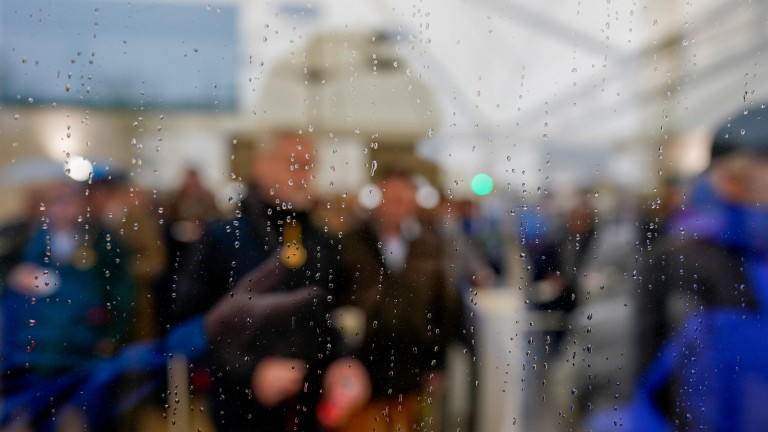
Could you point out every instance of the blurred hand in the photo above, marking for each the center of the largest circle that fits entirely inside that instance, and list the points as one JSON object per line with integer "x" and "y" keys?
{"x": 433, "y": 382}
{"x": 548, "y": 289}
{"x": 276, "y": 379}
{"x": 346, "y": 387}
{"x": 33, "y": 280}
{"x": 484, "y": 277}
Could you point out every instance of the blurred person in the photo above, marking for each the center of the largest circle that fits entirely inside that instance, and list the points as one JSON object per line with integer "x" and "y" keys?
{"x": 483, "y": 229}
{"x": 410, "y": 311}
{"x": 594, "y": 365}
{"x": 468, "y": 270}
{"x": 715, "y": 255}
{"x": 15, "y": 234}
{"x": 660, "y": 209}
{"x": 189, "y": 209}
{"x": 253, "y": 320}
{"x": 556, "y": 266}
{"x": 557, "y": 262}
{"x": 30, "y": 176}
{"x": 68, "y": 301}
{"x": 193, "y": 201}
{"x": 535, "y": 222}
{"x": 131, "y": 215}
{"x": 281, "y": 391}
{"x": 582, "y": 294}
{"x": 186, "y": 211}
{"x": 466, "y": 265}
{"x": 703, "y": 334}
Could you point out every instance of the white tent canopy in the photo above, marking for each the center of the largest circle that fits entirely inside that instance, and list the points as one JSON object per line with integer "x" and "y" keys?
{"x": 506, "y": 65}
{"x": 513, "y": 76}
{"x": 573, "y": 92}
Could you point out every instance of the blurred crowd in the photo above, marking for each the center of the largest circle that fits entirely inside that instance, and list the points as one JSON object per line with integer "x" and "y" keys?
{"x": 346, "y": 321}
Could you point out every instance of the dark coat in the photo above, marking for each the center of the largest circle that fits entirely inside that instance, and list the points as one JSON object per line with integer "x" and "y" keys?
{"x": 411, "y": 314}
{"x": 229, "y": 250}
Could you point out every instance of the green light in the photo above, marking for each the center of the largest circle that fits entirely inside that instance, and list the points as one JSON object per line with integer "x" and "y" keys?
{"x": 482, "y": 184}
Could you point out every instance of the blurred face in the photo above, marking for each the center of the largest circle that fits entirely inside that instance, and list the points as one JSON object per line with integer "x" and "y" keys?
{"x": 742, "y": 179}
{"x": 284, "y": 172}
{"x": 64, "y": 202}
{"x": 398, "y": 200}
{"x": 580, "y": 220}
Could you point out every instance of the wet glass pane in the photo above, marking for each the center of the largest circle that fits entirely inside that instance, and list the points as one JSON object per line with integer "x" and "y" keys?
{"x": 356, "y": 216}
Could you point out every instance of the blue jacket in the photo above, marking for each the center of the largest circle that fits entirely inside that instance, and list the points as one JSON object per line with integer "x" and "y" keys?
{"x": 90, "y": 303}
{"x": 704, "y": 324}
{"x": 33, "y": 397}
